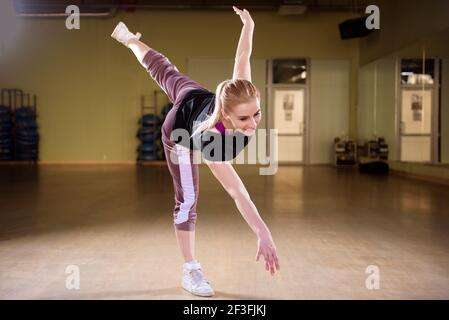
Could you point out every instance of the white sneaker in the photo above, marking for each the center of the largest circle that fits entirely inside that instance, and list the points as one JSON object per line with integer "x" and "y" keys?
{"x": 123, "y": 35}
{"x": 194, "y": 281}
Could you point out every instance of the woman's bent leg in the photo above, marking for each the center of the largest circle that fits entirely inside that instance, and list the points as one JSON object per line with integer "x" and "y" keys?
{"x": 186, "y": 243}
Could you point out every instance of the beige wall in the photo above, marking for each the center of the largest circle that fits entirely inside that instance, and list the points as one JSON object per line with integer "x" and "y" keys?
{"x": 89, "y": 86}
{"x": 330, "y": 92}
{"x": 409, "y": 28}
{"x": 377, "y": 101}
{"x": 445, "y": 112}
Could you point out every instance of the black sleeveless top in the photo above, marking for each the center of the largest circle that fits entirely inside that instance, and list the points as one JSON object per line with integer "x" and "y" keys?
{"x": 195, "y": 108}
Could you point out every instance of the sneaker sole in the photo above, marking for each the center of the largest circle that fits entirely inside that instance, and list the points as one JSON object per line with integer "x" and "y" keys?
{"x": 200, "y": 294}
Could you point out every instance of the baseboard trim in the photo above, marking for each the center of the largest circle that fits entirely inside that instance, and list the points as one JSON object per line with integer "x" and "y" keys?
{"x": 420, "y": 177}
{"x": 87, "y": 162}
{"x": 14, "y": 163}
{"x": 67, "y": 163}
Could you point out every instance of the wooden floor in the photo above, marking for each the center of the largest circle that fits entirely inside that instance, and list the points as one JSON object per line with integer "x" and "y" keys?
{"x": 115, "y": 224}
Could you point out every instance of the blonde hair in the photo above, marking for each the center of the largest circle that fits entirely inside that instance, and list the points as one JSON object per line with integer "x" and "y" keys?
{"x": 228, "y": 94}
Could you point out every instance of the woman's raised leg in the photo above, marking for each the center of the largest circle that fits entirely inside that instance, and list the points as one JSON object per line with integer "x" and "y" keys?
{"x": 170, "y": 80}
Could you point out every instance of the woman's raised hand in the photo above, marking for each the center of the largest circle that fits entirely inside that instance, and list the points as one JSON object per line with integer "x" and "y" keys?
{"x": 244, "y": 16}
{"x": 266, "y": 248}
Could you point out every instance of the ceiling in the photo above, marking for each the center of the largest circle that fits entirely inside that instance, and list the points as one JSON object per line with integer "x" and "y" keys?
{"x": 42, "y": 7}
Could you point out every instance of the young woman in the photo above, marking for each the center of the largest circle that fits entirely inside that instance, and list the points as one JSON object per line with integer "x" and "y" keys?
{"x": 234, "y": 106}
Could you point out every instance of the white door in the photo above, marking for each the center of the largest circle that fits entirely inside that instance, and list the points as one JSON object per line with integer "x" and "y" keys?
{"x": 288, "y": 119}
{"x": 416, "y": 124}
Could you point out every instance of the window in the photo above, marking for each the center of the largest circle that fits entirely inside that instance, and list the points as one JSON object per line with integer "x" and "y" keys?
{"x": 289, "y": 71}
{"x": 414, "y": 72}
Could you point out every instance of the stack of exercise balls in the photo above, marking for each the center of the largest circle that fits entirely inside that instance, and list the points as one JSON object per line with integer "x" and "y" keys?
{"x": 26, "y": 135}
{"x": 6, "y": 139}
{"x": 164, "y": 112}
{"x": 149, "y": 134}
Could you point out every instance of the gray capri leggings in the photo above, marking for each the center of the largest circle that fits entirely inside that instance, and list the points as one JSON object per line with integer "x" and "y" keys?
{"x": 184, "y": 172}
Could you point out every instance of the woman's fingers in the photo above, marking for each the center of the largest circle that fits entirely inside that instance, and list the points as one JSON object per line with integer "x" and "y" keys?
{"x": 273, "y": 267}
{"x": 240, "y": 14}
{"x": 270, "y": 257}
{"x": 270, "y": 267}
{"x": 244, "y": 14}
{"x": 272, "y": 260}
{"x": 276, "y": 261}
{"x": 258, "y": 255}
{"x": 274, "y": 257}
{"x": 268, "y": 263}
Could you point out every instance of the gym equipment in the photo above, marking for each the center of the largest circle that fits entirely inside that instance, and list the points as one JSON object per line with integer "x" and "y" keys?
{"x": 166, "y": 109}
{"x": 149, "y": 131}
{"x": 373, "y": 166}
{"x": 345, "y": 152}
{"x": 144, "y": 131}
{"x": 19, "y": 139}
{"x": 25, "y": 112}
{"x": 160, "y": 154}
{"x": 373, "y": 157}
{"x": 149, "y": 139}
{"x": 150, "y": 120}
{"x": 26, "y": 136}
{"x": 147, "y": 147}
{"x": 6, "y": 124}
{"x": 25, "y": 123}
{"x": 147, "y": 156}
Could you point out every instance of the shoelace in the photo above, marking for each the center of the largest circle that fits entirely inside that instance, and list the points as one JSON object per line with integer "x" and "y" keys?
{"x": 198, "y": 277}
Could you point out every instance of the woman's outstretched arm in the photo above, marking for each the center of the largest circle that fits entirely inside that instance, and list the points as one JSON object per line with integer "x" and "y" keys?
{"x": 242, "y": 66}
{"x": 229, "y": 179}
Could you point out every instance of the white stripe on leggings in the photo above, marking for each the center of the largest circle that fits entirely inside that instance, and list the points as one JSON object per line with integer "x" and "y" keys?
{"x": 188, "y": 191}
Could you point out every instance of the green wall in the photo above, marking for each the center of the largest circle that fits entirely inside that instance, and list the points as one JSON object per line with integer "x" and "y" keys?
{"x": 89, "y": 86}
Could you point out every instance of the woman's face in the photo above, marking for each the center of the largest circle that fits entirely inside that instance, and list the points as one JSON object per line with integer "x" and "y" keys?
{"x": 244, "y": 117}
